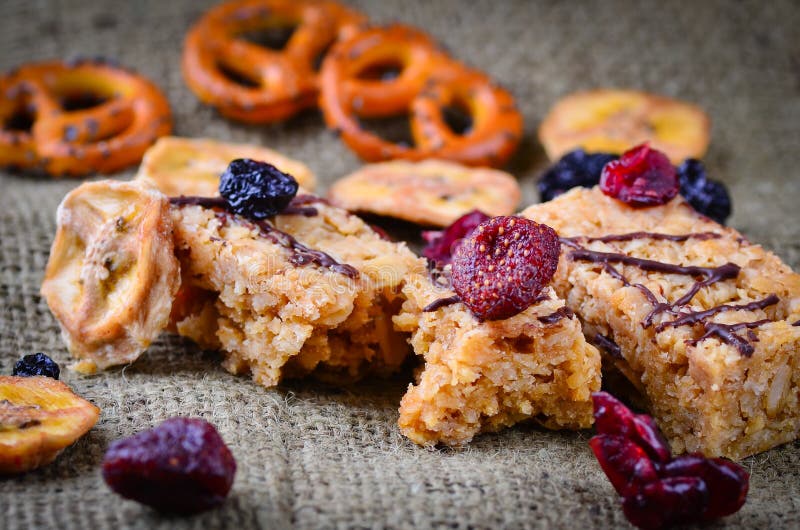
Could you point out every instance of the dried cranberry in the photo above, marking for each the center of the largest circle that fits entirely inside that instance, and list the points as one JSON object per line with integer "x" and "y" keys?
{"x": 181, "y": 466}
{"x": 256, "y": 190}
{"x": 727, "y": 481}
{"x": 611, "y": 416}
{"x": 625, "y": 464}
{"x": 442, "y": 243}
{"x": 666, "y": 502}
{"x": 707, "y": 196}
{"x": 658, "y": 490}
{"x": 37, "y": 364}
{"x": 576, "y": 168}
{"x": 641, "y": 177}
{"x": 501, "y": 268}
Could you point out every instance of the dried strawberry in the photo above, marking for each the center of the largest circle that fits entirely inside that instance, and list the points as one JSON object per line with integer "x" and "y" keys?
{"x": 181, "y": 466}
{"x": 658, "y": 490}
{"x": 441, "y": 244}
{"x": 501, "y": 268}
{"x": 640, "y": 177}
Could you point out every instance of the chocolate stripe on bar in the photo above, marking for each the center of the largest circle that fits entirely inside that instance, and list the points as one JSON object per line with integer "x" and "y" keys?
{"x": 608, "y": 345}
{"x": 441, "y": 302}
{"x": 555, "y": 316}
{"x": 701, "y": 236}
{"x": 690, "y": 319}
{"x": 300, "y": 253}
{"x": 725, "y": 332}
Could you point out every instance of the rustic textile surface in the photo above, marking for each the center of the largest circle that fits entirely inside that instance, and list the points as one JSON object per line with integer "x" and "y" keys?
{"x": 312, "y": 456}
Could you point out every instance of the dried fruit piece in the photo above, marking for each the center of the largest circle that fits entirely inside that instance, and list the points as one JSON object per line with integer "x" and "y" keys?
{"x": 37, "y": 364}
{"x": 658, "y": 490}
{"x": 613, "y": 121}
{"x": 181, "y": 466}
{"x": 640, "y": 177}
{"x": 441, "y": 244}
{"x": 192, "y": 166}
{"x": 727, "y": 482}
{"x": 707, "y": 196}
{"x": 576, "y": 168}
{"x": 500, "y": 269}
{"x": 39, "y": 417}
{"x": 256, "y": 190}
{"x": 666, "y": 502}
{"x": 625, "y": 464}
{"x": 612, "y": 417}
{"x": 431, "y": 192}
{"x": 112, "y": 272}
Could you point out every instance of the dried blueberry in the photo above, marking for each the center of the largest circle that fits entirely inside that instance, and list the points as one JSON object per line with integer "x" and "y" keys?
{"x": 37, "y": 364}
{"x": 181, "y": 466}
{"x": 707, "y": 196}
{"x": 576, "y": 168}
{"x": 256, "y": 190}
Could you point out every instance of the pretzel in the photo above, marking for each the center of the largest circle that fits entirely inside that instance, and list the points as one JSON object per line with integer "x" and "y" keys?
{"x": 70, "y": 119}
{"x": 252, "y": 83}
{"x": 429, "y": 83}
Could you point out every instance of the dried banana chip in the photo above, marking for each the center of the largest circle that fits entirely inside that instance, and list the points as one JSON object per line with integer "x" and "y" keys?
{"x": 613, "y": 121}
{"x": 192, "y": 166}
{"x": 432, "y": 192}
{"x": 112, "y": 273}
{"x": 39, "y": 417}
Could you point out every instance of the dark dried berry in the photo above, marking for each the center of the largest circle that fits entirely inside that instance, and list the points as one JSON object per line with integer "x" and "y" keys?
{"x": 256, "y": 190}
{"x": 576, "y": 168}
{"x": 727, "y": 481}
{"x": 501, "y": 268}
{"x": 441, "y": 244}
{"x": 181, "y": 466}
{"x": 707, "y": 196}
{"x": 641, "y": 177}
{"x": 666, "y": 502}
{"x": 658, "y": 490}
{"x": 37, "y": 364}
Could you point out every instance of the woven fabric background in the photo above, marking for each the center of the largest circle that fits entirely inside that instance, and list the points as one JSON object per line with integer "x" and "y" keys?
{"x": 312, "y": 456}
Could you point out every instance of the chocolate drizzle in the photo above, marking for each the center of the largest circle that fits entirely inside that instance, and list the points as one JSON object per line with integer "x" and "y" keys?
{"x": 702, "y": 236}
{"x": 690, "y": 319}
{"x": 205, "y": 202}
{"x": 705, "y": 276}
{"x": 441, "y": 302}
{"x": 298, "y": 206}
{"x": 300, "y": 253}
{"x": 725, "y": 332}
{"x": 608, "y": 345}
{"x": 555, "y": 316}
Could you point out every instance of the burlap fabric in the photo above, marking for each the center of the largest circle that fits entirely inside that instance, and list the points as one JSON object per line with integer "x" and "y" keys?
{"x": 312, "y": 456}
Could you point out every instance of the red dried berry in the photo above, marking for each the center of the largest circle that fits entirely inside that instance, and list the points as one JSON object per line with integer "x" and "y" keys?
{"x": 501, "y": 268}
{"x": 441, "y": 244}
{"x": 625, "y": 464}
{"x": 611, "y": 416}
{"x": 657, "y": 489}
{"x": 666, "y": 502}
{"x": 640, "y": 177}
{"x": 727, "y": 481}
{"x": 181, "y": 466}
